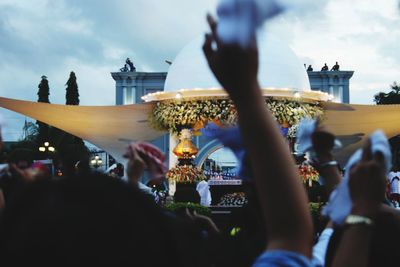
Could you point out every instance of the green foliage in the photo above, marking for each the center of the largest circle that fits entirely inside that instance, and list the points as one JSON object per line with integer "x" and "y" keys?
{"x": 67, "y": 140}
{"x": 43, "y": 96}
{"x": 44, "y": 90}
{"x": 179, "y": 207}
{"x": 393, "y": 97}
{"x": 72, "y": 94}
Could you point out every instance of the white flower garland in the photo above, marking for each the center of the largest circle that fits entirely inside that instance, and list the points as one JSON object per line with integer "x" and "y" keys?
{"x": 173, "y": 116}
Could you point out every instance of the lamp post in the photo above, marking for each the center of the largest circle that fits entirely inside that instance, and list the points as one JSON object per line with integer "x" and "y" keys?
{"x": 47, "y": 147}
{"x": 96, "y": 161}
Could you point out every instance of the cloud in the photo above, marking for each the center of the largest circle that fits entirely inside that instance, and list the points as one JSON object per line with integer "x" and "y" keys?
{"x": 92, "y": 38}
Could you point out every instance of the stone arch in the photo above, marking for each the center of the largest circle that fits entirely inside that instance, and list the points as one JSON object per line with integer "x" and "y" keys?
{"x": 207, "y": 150}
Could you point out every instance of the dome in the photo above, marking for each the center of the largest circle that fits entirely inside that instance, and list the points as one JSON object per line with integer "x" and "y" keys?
{"x": 279, "y": 67}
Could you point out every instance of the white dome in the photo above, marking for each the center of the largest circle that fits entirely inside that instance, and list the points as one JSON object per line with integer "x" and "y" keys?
{"x": 279, "y": 67}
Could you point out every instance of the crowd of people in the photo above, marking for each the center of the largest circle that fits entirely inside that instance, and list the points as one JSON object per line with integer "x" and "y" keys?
{"x": 91, "y": 219}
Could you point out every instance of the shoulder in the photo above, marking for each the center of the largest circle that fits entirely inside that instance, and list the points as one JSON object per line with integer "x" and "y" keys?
{"x": 282, "y": 258}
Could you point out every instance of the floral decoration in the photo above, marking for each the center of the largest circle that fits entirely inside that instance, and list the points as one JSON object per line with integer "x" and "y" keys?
{"x": 175, "y": 115}
{"x": 233, "y": 199}
{"x": 308, "y": 174}
{"x": 292, "y": 131}
{"x": 185, "y": 174}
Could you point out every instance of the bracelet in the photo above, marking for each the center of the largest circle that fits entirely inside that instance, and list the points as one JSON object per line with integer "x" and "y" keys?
{"x": 358, "y": 220}
{"x": 328, "y": 163}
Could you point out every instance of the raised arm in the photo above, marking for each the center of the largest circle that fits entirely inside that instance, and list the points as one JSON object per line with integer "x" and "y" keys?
{"x": 283, "y": 198}
{"x": 367, "y": 190}
{"x": 323, "y": 144}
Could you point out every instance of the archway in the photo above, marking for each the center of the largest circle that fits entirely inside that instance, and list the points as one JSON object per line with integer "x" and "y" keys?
{"x": 217, "y": 161}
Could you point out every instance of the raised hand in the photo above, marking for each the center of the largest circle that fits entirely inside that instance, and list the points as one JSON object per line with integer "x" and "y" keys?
{"x": 323, "y": 143}
{"x": 367, "y": 183}
{"x": 323, "y": 140}
{"x": 234, "y": 67}
{"x": 136, "y": 164}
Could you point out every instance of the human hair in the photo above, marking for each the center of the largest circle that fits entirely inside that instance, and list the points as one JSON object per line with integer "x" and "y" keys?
{"x": 21, "y": 154}
{"x": 187, "y": 194}
{"x": 87, "y": 220}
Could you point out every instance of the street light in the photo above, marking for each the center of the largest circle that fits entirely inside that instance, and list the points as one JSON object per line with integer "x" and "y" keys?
{"x": 46, "y": 147}
{"x": 96, "y": 161}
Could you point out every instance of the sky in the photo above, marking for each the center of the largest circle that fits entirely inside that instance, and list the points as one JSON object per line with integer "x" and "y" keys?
{"x": 94, "y": 37}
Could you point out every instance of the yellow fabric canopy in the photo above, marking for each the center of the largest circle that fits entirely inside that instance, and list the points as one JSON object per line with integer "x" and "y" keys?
{"x": 353, "y": 123}
{"x": 108, "y": 127}
{"x": 113, "y": 127}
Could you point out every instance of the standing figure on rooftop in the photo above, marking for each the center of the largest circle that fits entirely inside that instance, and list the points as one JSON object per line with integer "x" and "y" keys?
{"x": 310, "y": 68}
{"x": 336, "y": 67}
{"x": 130, "y": 64}
{"x": 325, "y": 68}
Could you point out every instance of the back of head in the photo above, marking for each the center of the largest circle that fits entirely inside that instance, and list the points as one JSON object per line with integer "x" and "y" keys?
{"x": 187, "y": 194}
{"x": 92, "y": 220}
{"x": 22, "y": 157}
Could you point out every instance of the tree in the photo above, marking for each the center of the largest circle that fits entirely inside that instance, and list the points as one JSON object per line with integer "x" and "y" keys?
{"x": 71, "y": 148}
{"x": 393, "y": 97}
{"x": 43, "y": 96}
{"x": 72, "y": 95}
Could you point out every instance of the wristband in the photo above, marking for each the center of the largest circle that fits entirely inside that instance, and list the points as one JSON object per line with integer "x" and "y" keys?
{"x": 358, "y": 220}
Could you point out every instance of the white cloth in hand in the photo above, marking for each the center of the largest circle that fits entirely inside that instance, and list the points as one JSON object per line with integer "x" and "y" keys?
{"x": 339, "y": 205}
{"x": 238, "y": 20}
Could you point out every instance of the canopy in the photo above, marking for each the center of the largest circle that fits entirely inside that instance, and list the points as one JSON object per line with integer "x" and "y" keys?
{"x": 113, "y": 127}
{"x": 353, "y": 123}
{"x": 108, "y": 127}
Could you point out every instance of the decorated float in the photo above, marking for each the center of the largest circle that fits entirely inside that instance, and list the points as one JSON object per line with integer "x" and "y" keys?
{"x": 192, "y": 98}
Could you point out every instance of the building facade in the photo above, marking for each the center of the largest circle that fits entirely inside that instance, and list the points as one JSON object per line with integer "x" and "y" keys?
{"x": 131, "y": 86}
{"x": 335, "y": 83}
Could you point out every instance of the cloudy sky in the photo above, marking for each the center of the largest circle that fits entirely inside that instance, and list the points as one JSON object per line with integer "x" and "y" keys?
{"x": 93, "y": 37}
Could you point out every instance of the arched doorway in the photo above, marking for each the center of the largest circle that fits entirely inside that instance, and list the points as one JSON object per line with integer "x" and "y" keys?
{"x": 217, "y": 161}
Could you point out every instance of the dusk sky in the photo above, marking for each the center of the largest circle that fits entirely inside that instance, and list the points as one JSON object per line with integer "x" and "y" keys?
{"x": 93, "y": 38}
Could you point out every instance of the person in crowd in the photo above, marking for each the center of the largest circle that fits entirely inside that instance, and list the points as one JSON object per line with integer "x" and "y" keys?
{"x": 15, "y": 173}
{"x": 372, "y": 228}
{"x": 336, "y": 67}
{"x": 289, "y": 227}
{"x": 94, "y": 220}
{"x": 187, "y": 194}
{"x": 393, "y": 179}
{"x": 142, "y": 156}
{"x": 385, "y": 231}
{"x": 325, "y": 68}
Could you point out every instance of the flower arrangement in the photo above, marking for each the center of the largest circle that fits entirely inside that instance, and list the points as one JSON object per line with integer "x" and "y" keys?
{"x": 291, "y": 112}
{"x": 292, "y": 131}
{"x": 308, "y": 174}
{"x": 233, "y": 199}
{"x": 185, "y": 174}
{"x": 175, "y": 115}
